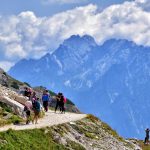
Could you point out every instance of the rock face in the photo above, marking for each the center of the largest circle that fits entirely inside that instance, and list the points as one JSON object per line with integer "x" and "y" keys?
{"x": 3, "y": 78}
{"x": 111, "y": 81}
{"x": 12, "y": 99}
{"x": 90, "y": 134}
{"x": 9, "y": 82}
{"x": 9, "y": 94}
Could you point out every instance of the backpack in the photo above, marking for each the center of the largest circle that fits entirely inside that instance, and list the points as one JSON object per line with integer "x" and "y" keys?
{"x": 37, "y": 106}
{"x": 65, "y": 100}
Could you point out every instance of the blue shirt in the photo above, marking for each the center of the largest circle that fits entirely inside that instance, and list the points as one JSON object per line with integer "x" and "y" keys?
{"x": 45, "y": 97}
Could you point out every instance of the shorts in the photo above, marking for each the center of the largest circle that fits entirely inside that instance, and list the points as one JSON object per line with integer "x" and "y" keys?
{"x": 28, "y": 113}
{"x": 36, "y": 112}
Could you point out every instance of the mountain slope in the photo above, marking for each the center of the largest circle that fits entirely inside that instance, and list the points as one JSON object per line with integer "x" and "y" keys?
{"x": 11, "y": 93}
{"x": 112, "y": 80}
{"x": 57, "y": 131}
{"x": 86, "y": 134}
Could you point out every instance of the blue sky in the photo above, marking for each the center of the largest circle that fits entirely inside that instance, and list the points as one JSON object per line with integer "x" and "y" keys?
{"x": 8, "y": 7}
{"x": 30, "y": 29}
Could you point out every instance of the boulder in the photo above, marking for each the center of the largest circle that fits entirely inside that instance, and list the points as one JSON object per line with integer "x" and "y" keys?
{"x": 17, "y": 107}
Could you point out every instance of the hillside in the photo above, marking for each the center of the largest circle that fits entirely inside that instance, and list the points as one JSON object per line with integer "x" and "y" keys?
{"x": 111, "y": 80}
{"x": 8, "y": 81}
{"x": 12, "y": 89}
{"x": 69, "y": 131}
{"x": 86, "y": 134}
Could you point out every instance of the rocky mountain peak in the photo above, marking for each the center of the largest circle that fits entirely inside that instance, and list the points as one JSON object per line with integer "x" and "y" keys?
{"x": 76, "y": 41}
{"x": 108, "y": 80}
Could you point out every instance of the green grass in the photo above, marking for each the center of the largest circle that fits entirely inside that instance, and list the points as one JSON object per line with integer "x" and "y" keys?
{"x": 36, "y": 139}
{"x": 61, "y": 129}
{"x": 92, "y": 118}
{"x": 15, "y": 119}
{"x": 5, "y": 107}
{"x": 112, "y": 132}
{"x": 105, "y": 127}
{"x": 6, "y": 110}
{"x": 90, "y": 135}
{"x": 75, "y": 146}
{"x": 143, "y": 146}
{"x": 94, "y": 132}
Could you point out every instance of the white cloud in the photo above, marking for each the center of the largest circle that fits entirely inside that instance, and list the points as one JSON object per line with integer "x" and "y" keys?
{"x": 27, "y": 35}
{"x": 145, "y": 4}
{"x": 14, "y": 50}
{"x": 62, "y": 1}
{"x": 127, "y": 21}
{"x": 6, "y": 65}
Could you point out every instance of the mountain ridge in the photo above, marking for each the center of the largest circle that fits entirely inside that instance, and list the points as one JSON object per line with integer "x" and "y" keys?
{"x": 59, "y": 131}
{"x": 102, "y": 79}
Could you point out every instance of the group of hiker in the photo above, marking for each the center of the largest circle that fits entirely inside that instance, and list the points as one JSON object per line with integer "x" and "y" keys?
{"x": 35, "y": 104}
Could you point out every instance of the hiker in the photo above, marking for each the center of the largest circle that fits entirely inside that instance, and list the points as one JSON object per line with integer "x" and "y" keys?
{"x": 26, "y": 91}
{"x": 36, "y": 109}
{"x": 27, "y": 109}
{"x": 45, "y": 99}
{"x": 58, "y": 104}
{"x": 146, "y": 141}
{"x": 33, "y": 96}
{"x": 29, "y": 93}
{"x": 62, "y": 103}
{"x": 65, "y": 101}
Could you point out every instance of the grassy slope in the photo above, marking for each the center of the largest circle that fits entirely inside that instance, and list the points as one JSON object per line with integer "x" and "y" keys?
{"x": 7, "y": 116}
{"x": 143, "y": 146}
{"x": 45, "y": 139}
{"x": 26, "y": 140}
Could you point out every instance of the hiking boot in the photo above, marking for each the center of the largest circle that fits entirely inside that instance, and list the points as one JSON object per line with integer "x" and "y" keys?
{"x": 27, "y": 122}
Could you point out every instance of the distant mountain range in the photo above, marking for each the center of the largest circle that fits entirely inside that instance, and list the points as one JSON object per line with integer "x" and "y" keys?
{"x": 111, "y": 80}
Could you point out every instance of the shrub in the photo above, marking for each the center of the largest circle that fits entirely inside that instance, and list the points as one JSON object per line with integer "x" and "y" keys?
{"x": 75, "y": 146}
{"x": 5, "y": 107}
{"x": 15, "y": 119}
{"x": 15, "y": 85}
{"x": 92, "y": 118}
{"x": 27, "y": 84}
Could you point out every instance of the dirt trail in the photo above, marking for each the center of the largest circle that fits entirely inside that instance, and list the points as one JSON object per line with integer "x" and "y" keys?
{"x": 49, "y": 119}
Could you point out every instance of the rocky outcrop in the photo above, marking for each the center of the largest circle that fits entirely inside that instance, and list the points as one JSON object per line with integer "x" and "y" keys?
{"x": 9, "y": 82}
{"x": 3, "y": 78}
{"x": 12, "y": 99}
{"x": 90, "y": 134}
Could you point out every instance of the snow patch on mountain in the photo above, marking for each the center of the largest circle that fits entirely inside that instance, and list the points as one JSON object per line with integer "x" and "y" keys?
{"x": 113, "y": 78}
{"x": 58, "y": 62}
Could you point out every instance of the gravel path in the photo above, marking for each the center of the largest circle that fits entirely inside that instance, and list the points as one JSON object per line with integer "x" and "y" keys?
{"x": 49, "y": 119}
